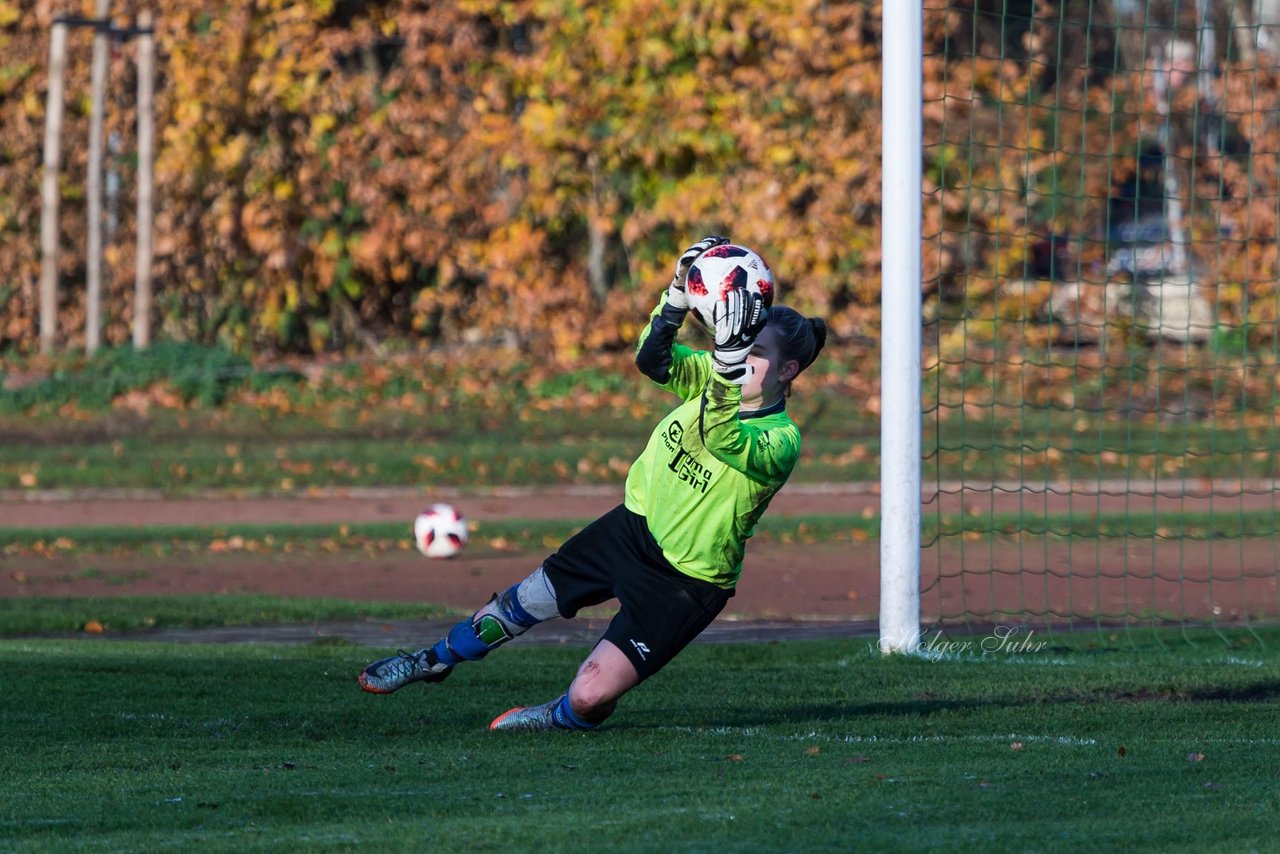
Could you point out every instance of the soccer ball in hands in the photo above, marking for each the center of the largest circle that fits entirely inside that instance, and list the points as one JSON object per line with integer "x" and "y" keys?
{"x": 440, "y": 531}
{"x": 722, "y": 269}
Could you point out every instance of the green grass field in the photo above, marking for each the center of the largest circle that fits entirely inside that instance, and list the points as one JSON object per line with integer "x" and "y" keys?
{"x": 802, "y": 746}
{"x": 1132, "y": 740}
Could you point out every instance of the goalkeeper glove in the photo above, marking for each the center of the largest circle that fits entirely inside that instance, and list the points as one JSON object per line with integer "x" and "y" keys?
{"x": 737, "y": 319}
{"x": 677, "y": 295}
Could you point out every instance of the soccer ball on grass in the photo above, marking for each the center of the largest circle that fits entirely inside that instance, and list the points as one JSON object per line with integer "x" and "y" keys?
{"x": 440, "y": 531}
{"x": 722, "y": 269}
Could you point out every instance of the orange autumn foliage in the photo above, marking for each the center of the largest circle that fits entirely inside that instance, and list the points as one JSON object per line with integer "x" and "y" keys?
{"x": 334, "y": 173}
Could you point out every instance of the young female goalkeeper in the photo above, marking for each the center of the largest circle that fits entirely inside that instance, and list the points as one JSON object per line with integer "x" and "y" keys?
{"x": 671, "y": 553}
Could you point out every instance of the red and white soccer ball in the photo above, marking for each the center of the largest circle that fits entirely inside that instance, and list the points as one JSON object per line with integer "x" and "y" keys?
{"x": 440, "y": 531}
{"x": 722, "y": 269}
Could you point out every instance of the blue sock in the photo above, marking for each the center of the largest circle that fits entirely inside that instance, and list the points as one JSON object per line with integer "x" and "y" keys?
{"x": 461, "y": 644}
{"x": 565, "y": 718}
{"x": 444, "y": 654}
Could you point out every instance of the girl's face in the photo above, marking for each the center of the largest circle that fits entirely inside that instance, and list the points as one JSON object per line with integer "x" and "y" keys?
{"x": 768, "y": 383}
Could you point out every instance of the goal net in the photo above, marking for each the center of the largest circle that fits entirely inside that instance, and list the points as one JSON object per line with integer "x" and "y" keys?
{"x": 1100, "y": 385}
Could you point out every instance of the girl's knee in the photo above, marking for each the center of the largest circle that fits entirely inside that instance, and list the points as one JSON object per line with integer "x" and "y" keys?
{"x": 590, "y": 703}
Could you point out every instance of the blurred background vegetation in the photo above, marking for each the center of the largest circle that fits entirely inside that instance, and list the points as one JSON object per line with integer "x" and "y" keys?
{"x": 334, "y": 175}
{"x": 393, "y": 178}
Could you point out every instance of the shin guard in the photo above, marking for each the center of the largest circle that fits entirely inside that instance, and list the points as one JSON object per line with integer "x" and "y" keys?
{"x": 503, "y": 618}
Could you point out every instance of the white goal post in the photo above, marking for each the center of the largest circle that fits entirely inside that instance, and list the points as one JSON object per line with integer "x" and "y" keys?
{"x": 900, "y": 335}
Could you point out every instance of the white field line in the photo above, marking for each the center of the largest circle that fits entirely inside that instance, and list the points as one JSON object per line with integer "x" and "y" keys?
{"x": 979, "y": 738}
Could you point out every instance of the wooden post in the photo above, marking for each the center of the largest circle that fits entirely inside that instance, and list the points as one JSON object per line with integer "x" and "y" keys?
{"x": 49, "y": 193}
{"x": 93, "y": 264}
{"x": 146, "y": 136}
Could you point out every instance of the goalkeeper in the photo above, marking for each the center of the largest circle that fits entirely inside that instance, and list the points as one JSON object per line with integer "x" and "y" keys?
{"x": 671, "y": 553}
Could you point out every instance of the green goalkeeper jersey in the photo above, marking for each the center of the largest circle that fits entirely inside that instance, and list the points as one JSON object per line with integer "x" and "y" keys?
{"x": 709, "y": 470}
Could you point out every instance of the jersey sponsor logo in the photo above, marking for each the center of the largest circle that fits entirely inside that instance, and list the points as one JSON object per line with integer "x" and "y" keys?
{"x": 690, "y": 471}
{"x": 686, "y": 468}
{"x": 673, "y": 435}
{"x": 642, "y": 649}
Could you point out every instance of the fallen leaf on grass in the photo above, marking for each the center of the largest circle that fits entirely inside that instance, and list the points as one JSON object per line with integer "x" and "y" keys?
{"x": 1121, "y": 751}
{"x": 735, "y": 757}
{"x": 812, "y": 751}
{"x": 1195, "y": 757}
{"x": 94, "y": 627}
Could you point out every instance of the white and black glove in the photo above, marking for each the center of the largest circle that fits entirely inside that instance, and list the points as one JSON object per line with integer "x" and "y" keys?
{"x": 677, "y": 293}
{"x": 737, "y": 320}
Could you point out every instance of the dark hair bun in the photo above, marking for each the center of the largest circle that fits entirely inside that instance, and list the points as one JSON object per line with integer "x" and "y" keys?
{"x": 819, "y": 327}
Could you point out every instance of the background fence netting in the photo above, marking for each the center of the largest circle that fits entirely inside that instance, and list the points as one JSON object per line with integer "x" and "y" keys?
{"x": 1101, "y": 342}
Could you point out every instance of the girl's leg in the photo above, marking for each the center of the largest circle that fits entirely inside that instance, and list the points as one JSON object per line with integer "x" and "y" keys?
{"x": 602, "y": 679}
{"x": 605, "y": 676}
{"x": 505, "y": 616}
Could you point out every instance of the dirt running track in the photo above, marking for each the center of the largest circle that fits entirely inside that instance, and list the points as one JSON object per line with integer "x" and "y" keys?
{"x": 821, "y": 588}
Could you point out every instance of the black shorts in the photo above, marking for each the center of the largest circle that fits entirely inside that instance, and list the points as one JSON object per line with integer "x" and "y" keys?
{"x": 661, "y": 609}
